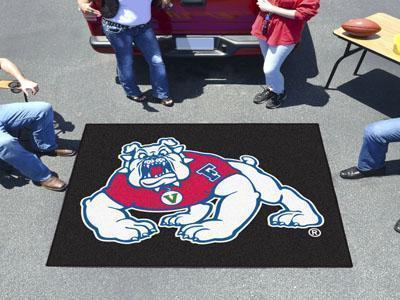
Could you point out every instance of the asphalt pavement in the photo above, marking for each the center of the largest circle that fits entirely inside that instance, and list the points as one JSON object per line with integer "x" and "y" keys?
{"x": 49, "y": 42}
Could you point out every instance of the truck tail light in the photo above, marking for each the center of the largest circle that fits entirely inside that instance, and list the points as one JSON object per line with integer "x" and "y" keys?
{"x": 90, "y": 18}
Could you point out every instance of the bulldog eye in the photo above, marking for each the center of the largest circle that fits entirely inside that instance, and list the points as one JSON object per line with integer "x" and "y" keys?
{"x": 141, "y": 155}
{"x": 164, "y": 152}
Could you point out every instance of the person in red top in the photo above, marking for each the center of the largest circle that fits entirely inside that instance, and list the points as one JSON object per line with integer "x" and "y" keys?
{"x": 278, "y": 28}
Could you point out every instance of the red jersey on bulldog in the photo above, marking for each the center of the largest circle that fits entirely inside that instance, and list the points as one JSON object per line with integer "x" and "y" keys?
{"x": 206, "y": 171}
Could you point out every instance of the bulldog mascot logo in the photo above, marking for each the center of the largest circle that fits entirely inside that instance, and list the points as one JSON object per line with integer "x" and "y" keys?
{"x": 165, "y": 177}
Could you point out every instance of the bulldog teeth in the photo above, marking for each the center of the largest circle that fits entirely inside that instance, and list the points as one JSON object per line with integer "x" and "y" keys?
{"x": 156, "y": 162}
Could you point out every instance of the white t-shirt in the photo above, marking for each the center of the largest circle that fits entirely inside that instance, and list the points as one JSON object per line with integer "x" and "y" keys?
{"x": 133, "y": 12}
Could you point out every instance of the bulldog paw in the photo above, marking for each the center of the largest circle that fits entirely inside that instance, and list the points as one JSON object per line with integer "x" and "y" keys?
{"x": 192, "y": 215}
{"x": 206, "y": 232}
{"x": 176, "y": 220}
{"x": 294, "y": 219}
{"x": 127, "y": 231}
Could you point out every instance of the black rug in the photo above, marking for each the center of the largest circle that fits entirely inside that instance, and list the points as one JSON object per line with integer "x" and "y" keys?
{"x": 201, "y": 195}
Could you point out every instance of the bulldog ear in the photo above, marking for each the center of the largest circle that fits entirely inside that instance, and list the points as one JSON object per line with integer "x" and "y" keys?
{"x": 131, "y": 148}
{"x": 125, "y": 157}
{"x": 178, "y": 149}
{"x": 187, "y": 160}
{"x": 168, "y": 141}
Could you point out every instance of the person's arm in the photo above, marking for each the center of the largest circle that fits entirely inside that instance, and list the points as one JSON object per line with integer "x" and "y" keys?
{"x": 266, "y": 6}
{"x": 304, "y": 11}
{"x": 26, "y": 84}
{"x": 166, "y": 4}
{"x": 85, "y": 6}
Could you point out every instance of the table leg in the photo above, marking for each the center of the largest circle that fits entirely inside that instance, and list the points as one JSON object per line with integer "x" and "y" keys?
{"x": 360, "y": 62}
{"x": 346, "y": 53}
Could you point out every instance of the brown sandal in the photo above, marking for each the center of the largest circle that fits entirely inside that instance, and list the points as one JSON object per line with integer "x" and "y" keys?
{"x": 141, "y": 98}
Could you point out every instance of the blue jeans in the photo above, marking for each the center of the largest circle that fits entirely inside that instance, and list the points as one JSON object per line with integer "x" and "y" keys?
{"x": 377, "y": 137}
{"x": 144, "y": 38}
{"x": 274, "y": 57}
{"x": 36, "y": 118}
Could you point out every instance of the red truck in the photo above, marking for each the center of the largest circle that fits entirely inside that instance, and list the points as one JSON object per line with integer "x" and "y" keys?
{"x": 195, "y": 28}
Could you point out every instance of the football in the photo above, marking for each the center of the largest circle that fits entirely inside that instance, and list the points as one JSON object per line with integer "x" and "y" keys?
{"x": 361, "y": 27}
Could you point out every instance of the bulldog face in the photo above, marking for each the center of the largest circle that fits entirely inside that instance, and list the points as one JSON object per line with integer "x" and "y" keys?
{"x": 155, "y": 165}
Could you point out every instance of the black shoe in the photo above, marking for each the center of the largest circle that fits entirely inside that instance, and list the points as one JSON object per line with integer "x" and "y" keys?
{"x": 117, "y": 81}
{"x": 397, "y": 226}
{"x": 169, "y": 102}
{"x": 354, "y": 173}
{"x": 275, "y": 100}
{"x": 141, "y": 98}
{"x": 263, "y": 96}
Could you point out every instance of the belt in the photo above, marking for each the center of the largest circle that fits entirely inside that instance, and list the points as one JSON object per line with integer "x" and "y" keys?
{"x": 117, "y": 25}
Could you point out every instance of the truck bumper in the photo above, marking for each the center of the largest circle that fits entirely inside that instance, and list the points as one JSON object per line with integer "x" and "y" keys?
{"x": 224, "y": 45}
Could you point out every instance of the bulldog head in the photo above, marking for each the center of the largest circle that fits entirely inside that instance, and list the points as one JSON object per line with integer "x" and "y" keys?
{"x": 155, "y": 165}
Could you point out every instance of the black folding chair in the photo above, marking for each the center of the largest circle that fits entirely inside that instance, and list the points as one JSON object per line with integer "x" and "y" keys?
{"x": 14, "y": 86}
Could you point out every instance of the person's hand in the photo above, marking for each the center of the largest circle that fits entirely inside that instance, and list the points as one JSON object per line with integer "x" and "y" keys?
{"x": 86, "y": 8}
{"x": 29, "y": 86}
{"x": 265, "y": 6}
{"x": 166, "y": 4}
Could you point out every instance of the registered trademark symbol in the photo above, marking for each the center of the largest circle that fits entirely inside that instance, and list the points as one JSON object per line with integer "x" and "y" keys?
{"x": 314, "y": 232}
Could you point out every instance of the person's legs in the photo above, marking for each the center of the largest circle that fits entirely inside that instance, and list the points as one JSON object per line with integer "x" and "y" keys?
{"x": 42, "y": 129}
{"x": 377, "y": 136}
{"x": 274, "y": 58}
{"x": 265, "y": 93}
{"x": 264, "y": 48}
{"x": 121, "y": 41}
{"x": 36, "y": 117}
{"x": 146, "y": 41}
{"x": 18, "y": 157}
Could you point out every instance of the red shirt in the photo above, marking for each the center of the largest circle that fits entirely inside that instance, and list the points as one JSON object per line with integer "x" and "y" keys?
{"x": 281, "y": 30}
{"x": 206, "y": 171}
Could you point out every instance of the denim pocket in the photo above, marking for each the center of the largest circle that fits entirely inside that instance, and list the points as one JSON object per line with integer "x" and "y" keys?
{"x": 143, "y": 28}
